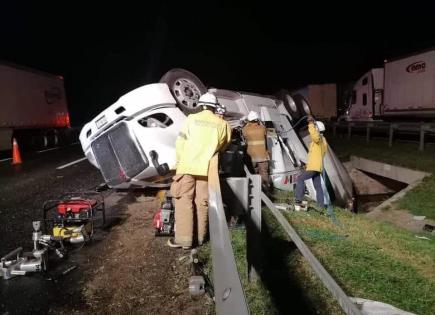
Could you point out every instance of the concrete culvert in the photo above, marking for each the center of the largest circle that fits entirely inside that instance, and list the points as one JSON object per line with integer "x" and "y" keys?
{"x": 378, "y": 184}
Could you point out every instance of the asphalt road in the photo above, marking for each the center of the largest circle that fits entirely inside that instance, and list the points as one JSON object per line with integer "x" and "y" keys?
{"x": 25, "y": 187}
{"x": 23, "y": 190}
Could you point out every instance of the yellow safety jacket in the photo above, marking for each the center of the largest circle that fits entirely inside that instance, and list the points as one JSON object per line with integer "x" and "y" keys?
{"x": 202, "y": 135}
{"x": 317, "y": 150}
{"x": 255, "y": 135}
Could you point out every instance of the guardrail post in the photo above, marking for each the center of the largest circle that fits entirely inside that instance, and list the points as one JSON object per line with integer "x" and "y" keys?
{"x": 390, "y": 139}
{"x": 369, "y": 125}
{"x": 422, "y": 130}
{"x": 244, "y": 193}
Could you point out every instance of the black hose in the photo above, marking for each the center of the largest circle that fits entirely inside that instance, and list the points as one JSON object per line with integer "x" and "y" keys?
{"x": 294, "y": 126}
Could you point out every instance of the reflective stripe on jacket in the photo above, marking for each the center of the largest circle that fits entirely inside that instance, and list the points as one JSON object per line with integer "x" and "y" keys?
{"x": 317, "y": 150}
{"x": 202, "y": 135}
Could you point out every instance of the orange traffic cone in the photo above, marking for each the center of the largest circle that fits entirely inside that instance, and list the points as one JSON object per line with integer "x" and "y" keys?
{"x": 16, "y": 156}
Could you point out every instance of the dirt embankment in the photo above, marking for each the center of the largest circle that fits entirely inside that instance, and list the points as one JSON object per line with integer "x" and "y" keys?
{"x": 133, "y": 272}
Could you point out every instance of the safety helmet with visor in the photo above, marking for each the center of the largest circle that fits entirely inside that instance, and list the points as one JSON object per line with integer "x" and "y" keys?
{"x": 320, "y": 126}
{"x": 208, "y": 99}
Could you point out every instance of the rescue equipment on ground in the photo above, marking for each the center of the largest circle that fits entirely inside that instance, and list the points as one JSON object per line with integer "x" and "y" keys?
{"x": 66, "y": 222}
{"x": 164, "y": 219}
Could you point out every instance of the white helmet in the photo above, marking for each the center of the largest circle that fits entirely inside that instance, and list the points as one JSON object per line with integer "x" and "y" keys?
{"x": 253, "y": 116}
{"x": 208, "y": 99}
{"x": 320, "y": 126}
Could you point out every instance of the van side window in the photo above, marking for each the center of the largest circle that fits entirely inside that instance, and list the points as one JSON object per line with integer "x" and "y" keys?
{"x": 364, "y": 81}
{"x": 269, "y": 124}
{"x": 365, "y": 99}
{"x": 158, "y": 120}
{"x": 353, "y": 99}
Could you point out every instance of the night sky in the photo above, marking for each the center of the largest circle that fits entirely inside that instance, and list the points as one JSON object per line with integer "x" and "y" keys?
{"x": 105, "y": 50}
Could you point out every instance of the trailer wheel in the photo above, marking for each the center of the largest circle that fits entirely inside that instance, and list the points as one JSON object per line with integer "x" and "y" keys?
{"x": 39, "y": 141}
{"x": 302, "y": 104}
{"x": 186, "y": 89}
{"x": 65, "y": 137}
{"x": 289, "y": 104}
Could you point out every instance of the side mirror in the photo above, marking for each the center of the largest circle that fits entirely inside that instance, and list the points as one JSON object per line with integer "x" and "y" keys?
{"x": 162, "y": 169}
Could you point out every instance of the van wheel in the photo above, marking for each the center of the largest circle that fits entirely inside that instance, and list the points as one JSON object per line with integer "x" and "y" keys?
{"x": 302, "y": 104}
{"x": 186, "y": 89}
{"x": 289, "y": 104}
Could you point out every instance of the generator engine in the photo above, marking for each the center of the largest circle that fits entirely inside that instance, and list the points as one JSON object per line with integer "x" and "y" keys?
{"x": 164, "y": 219}
{"x": 71, "y": 218}
{"x": 73, "y": 221}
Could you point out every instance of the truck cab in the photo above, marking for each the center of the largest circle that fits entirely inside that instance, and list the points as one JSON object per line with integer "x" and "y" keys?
{"x": 366, "y": 98}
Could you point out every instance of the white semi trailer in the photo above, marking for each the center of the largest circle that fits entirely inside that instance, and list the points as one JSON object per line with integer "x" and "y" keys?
{"x": 403, "y": 89}
{"x": 33, "y": 107}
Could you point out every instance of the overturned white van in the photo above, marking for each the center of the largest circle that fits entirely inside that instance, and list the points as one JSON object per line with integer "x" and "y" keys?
{"x": 132, "y": 142}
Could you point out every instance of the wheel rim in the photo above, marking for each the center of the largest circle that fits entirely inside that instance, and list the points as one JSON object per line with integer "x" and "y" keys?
{"x": 186, "y": 92}
{"x": 291, "y": 103}
{"x": 306, "y": 107}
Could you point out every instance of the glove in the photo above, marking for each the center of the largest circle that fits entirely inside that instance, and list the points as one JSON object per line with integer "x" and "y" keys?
{"x": 310, "y": 118}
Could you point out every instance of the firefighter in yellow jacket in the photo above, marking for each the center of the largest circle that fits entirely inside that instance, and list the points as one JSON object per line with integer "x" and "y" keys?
{"x": 202, "y": 135}
{"x": 255, "y": 135}
{"x": 314, "y": 166}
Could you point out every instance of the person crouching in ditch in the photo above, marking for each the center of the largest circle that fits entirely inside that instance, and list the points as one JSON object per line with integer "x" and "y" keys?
{"x": 314, "y": 167}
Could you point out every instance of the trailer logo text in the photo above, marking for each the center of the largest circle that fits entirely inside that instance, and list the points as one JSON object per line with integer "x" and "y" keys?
{"x": 416, "y": 67}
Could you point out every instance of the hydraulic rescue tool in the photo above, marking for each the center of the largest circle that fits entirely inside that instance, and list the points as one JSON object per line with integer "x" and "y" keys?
{"x": 70, "y": 220}
{"x": 17, "y": 263}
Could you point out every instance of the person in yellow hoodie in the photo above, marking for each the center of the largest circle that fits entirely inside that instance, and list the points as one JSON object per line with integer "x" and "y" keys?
{"x": 202, "y": 135}
{"x": 314, "y": 166}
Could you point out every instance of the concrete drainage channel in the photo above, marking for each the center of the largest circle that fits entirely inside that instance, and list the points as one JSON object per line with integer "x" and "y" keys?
{"x": 378, "y": 184}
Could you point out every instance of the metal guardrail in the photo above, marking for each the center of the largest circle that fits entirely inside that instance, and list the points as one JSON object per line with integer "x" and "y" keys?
{"x": 229, "y": 295}
{"x": 346, "y": 304}
{"x": 389, "y": 128}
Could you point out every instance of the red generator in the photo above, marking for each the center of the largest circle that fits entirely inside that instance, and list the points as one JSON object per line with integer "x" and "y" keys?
{"x": 72, "y": 216}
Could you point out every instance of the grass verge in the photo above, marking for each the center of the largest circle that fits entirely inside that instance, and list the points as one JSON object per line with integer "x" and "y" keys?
{"x": 368, "y": 259}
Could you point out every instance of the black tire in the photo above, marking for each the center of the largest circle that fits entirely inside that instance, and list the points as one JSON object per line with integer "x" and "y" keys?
{"x": 289, "y": 104}
{"x": 64, "y": 136}
{"x": 186, "y": 89}
{"x": 302, "y": 104}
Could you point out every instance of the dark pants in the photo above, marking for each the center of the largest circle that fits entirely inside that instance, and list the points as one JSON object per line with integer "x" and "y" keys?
{"x": 300, "y": 186}
{"x": 262, "y": 168}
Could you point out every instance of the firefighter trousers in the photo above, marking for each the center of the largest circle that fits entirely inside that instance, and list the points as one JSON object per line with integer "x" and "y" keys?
{"x": 191, "y": 208}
